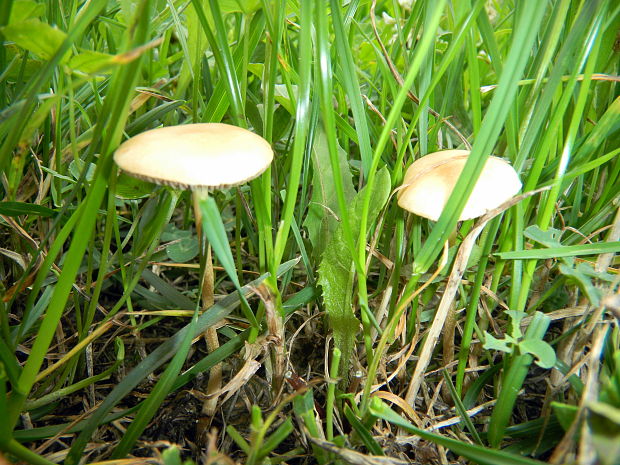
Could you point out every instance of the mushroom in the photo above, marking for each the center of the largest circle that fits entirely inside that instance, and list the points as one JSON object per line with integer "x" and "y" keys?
{"x": 426, "y": 189}
{"x": 429, "y": 181}
{"x": 199, "y": 157}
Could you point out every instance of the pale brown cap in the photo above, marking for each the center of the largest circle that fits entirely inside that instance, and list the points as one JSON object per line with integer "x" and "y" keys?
{"x": 202, "y": 155}
{"x": 429, "y": 181}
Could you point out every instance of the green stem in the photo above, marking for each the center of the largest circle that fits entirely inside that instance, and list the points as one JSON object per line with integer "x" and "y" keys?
{"x": 331, "y": 393}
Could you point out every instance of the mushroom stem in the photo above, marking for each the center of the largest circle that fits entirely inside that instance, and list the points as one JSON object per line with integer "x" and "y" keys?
{"x": 207, "y": 300}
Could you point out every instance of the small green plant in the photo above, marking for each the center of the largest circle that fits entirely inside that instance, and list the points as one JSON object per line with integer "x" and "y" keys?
{"x": 260, "y": 443}
{"x": 516, "y": 343}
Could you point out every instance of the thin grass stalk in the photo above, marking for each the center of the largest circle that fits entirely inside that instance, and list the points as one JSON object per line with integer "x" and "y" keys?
{"x": 221, "y": 51}
{"x": 497, "y": 113}
{"x": 302, "y": 127}
{"x": 423, "y": 85}
{"x": 466, "y": 24}
{"x": 5, "y": 14}
{"x": 153, "y": 401}
{"x": 118, "y": 115}
{"x": 331, "y": 394}
{"x": 350, "y": 82}
{"x": 325, "y": 91}
{"x": 105, "y": 252}
{"x": 422, "y": 49}
{"x": 472, "y": 309}
{"x": 473, "y": 75}
{"x": 83, "y": 232}
{"x": 590, "y": 50}
{"x": 19, "y": 450}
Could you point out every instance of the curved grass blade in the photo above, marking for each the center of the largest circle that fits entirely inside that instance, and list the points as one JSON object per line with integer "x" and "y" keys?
{"x": 213, "y": 228}
{"x": 348, "y": 74}
{"x": 302, "y": 128}
{"x": 157, "y": 358}
{"x": 524, "y": 36}
{"x": 221, "y": 51}
{"x": 157, "y": 395}
{"x": 475, "y": 453}
{"x": 566, "y": 251}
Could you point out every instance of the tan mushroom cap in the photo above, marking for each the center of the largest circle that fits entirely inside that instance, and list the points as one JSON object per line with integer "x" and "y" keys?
{"x": 208, "y": 155}
{"x": 430, "y": 180}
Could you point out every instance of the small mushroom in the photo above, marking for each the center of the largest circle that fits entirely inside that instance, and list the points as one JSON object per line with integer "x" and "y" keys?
{"x": 199, "y": 157}
{"x": 195, "y": 156}
{"x": 426, "y": 189}
{"x": 429, "y": 181}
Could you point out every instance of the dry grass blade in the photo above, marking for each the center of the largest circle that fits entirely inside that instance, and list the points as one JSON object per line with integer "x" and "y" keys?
{"x": 460, "y": 263}
{"x": 355, "y": 458}
{"x": 238, "y": 381}
{"x": 563, "y": 451}
{"x": 275, "y": 328}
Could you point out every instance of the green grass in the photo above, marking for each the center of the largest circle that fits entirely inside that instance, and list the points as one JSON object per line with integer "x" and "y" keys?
{"x": 328, "y": 288}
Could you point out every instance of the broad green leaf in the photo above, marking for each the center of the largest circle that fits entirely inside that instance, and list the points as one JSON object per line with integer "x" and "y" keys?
{"x": 92, "y": 62}
{"x": 336, "y": 268}
{"x": 584, "y": 274}
{"x": 26, "y": 9}
{"x": 541, "y": 350}
{"x": 492, "y": 343}
{"x": 35, "y": 36}
{"x": 23, "y": 208}
{"x": 130, "y": 188}
{"x": 77, "y": 166}
{"x": 565, "y": 414}
{"x": 515, "y": 322}
{"x": 183, "y": 250}
{"x": 549, "y": 238}
{"x": 321, "y": 220}
{"x": 172, "y": 233}
{"x": 239, "y": 6}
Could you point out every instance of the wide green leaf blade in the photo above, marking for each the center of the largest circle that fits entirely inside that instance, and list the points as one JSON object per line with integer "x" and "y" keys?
{"x": 336, "y": 269}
